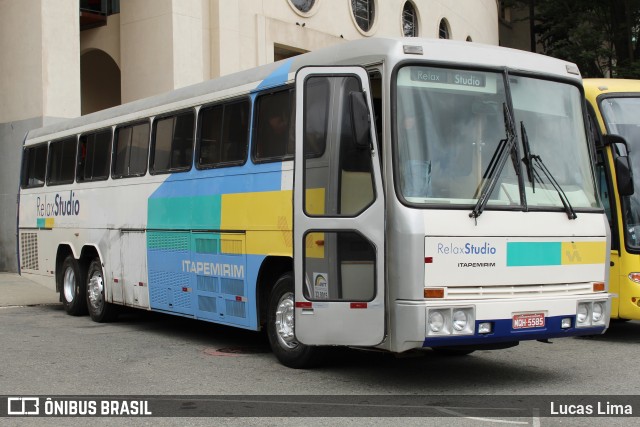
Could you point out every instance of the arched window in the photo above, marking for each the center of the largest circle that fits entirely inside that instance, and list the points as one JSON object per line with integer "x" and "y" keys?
{"x": 444, "y": 32}
{"x": 364, "y": 13}
{"x": 409, "y": 20}
{"x": 303, "y": 6}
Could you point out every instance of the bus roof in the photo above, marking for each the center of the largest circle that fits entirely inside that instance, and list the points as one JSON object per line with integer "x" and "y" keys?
{"x": 357, "y": 52}
{"x": 596, "y": 87}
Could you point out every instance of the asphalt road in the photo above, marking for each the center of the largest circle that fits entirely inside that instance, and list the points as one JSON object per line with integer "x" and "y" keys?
{"x": 46, "y": 352}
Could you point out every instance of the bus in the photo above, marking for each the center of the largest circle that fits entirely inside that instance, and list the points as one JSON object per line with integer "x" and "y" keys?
{"x": 391, "y": 194}
{"x": 614, "y": 108}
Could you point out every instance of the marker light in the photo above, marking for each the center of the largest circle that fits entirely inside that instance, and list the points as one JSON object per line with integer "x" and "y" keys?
{"x": 598, "y": 287}
{"x": 434, "y": 292}
{"x": 634, "y": 277}
{"x": 485, "y": 328}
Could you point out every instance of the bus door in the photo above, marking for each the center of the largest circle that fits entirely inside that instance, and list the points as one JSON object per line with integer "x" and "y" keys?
{"x": 338, "y": 211}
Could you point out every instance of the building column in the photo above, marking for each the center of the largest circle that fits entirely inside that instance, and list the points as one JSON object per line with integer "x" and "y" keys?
{"x": 40, "y": 69}
{"x": 162, "y": 45}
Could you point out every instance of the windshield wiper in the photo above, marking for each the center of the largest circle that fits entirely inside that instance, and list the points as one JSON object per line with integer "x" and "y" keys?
{"x": 535, "y": 164}
{"x": 527, "y": 156}
{"x": 495, "y": 166}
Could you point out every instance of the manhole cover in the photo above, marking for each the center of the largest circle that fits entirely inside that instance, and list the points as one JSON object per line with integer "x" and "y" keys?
{"x": 235, "y": 351}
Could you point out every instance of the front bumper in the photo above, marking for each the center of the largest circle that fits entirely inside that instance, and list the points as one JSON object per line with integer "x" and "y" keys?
{"x": 498, "y": 312}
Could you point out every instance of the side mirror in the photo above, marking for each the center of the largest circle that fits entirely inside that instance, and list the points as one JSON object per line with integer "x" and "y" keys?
{"x": 613, "y": 139}
{"x": 624, "y": 172}
{"x": 624, "y": 176}
{"x": 360, "y": 123}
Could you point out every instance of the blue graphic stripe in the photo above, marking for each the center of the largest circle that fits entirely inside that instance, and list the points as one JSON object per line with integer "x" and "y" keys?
{"x": 245, "y": 179}
{"x": 278, "y": 77}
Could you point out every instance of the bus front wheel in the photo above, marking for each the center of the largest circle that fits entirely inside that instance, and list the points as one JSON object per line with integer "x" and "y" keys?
{"x": 281, "y": 328}
{"x": 72, "y": 287}
{"x": 99, "y": 309}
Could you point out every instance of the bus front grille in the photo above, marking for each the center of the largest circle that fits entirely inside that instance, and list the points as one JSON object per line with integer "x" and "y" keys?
{"x": 517, "y": 291}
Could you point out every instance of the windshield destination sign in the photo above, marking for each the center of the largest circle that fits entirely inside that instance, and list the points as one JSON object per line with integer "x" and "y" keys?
{"x": 461, "y": 78}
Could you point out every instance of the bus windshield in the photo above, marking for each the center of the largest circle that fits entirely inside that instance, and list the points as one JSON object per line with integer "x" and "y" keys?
{"x": 451, "y": 126}
{"x": 549, "y": 119}
{"x": 622, "y": 117}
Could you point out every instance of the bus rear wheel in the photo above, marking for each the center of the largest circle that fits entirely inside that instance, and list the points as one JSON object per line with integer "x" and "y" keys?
{"x": 281, "y": 328}
{"x": 99, "y": 309}
{"x": 72, "y": 287}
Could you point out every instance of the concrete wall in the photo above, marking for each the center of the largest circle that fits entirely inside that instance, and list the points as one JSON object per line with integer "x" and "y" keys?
{"x": 40, "y": 69}
{"x": 244, "y": 32}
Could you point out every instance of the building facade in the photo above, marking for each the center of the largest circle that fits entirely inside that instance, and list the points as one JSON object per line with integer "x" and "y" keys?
{"x": 72, "y": 60}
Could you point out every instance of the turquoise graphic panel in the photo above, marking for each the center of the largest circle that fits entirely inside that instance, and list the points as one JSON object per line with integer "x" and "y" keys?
{"x": 529, "y": 254}
{"x": 190, "y": 213}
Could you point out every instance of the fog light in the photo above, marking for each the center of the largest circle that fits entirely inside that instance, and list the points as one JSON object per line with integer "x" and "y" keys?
{"x": 459, "y": 320}
{"x": 598, "y": 312}
{"x": 566, "y": 323}
{"x": 436, "y": 321}
{"x": 582, "y": 315}
{"x": 485, "y": 328}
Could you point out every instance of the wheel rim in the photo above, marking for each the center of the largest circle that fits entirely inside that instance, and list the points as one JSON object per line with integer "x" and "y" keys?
{"x": 94, "y": 290}
{"x": 284, "y": 321}
{"x": 69, "y": 283}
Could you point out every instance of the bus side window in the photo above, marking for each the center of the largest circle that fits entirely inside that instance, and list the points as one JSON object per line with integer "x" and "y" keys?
{"x": 274, "y": 126}
{"x": 62, "y": 161}
{"x": 34, "y": 166}
{"x": 131, "y": 150}
{"x": 223, "y": 134}
{"x": 93, "y": 156}
{"x": 173, "y": 143}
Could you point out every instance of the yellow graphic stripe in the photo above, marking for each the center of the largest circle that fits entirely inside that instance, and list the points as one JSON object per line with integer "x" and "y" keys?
{"x": 584, "y": 252}
{"x": 265, "y": 216}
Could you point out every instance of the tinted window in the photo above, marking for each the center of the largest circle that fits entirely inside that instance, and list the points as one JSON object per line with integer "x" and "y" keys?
{"x": 223, "y": 134}
{"x": 94, "y": 157}
{"x": 132, "y": 146}
{"x": 315, "y": 121}
{"x": 34, "y": 166}
{"x": 173, "y": 143}
{"x": 62, "y": 161}
{"x": 275, "y": 126}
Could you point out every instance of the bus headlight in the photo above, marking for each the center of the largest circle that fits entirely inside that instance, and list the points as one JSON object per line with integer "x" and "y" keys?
{"x": 459, "y": 320}
{"x": 450, "y": 321}
{"x": 463, "y": 322}
{"x": 591, "y": 313}
{"x": 597, "y": 314}
{"x": 436, "y": 321}
{"x": 582, "y": 314}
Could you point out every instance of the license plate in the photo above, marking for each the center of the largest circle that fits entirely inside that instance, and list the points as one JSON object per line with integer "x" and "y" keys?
{"x": 528, "y": 320}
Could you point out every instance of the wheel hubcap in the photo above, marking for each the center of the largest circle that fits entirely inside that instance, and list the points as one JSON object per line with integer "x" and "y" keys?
{"x": 284, "y": 321}
{"x": 69, "y": 284}
{"x": 94, "y": 291}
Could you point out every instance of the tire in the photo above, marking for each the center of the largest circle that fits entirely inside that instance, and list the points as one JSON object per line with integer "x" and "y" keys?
{"x": 72, "y": 287}
{"x": 281, "y": 331}
{"x": 100, "y": 310}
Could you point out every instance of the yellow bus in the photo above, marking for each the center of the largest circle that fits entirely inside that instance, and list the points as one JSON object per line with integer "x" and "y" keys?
{"x": 614, "y": 108}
